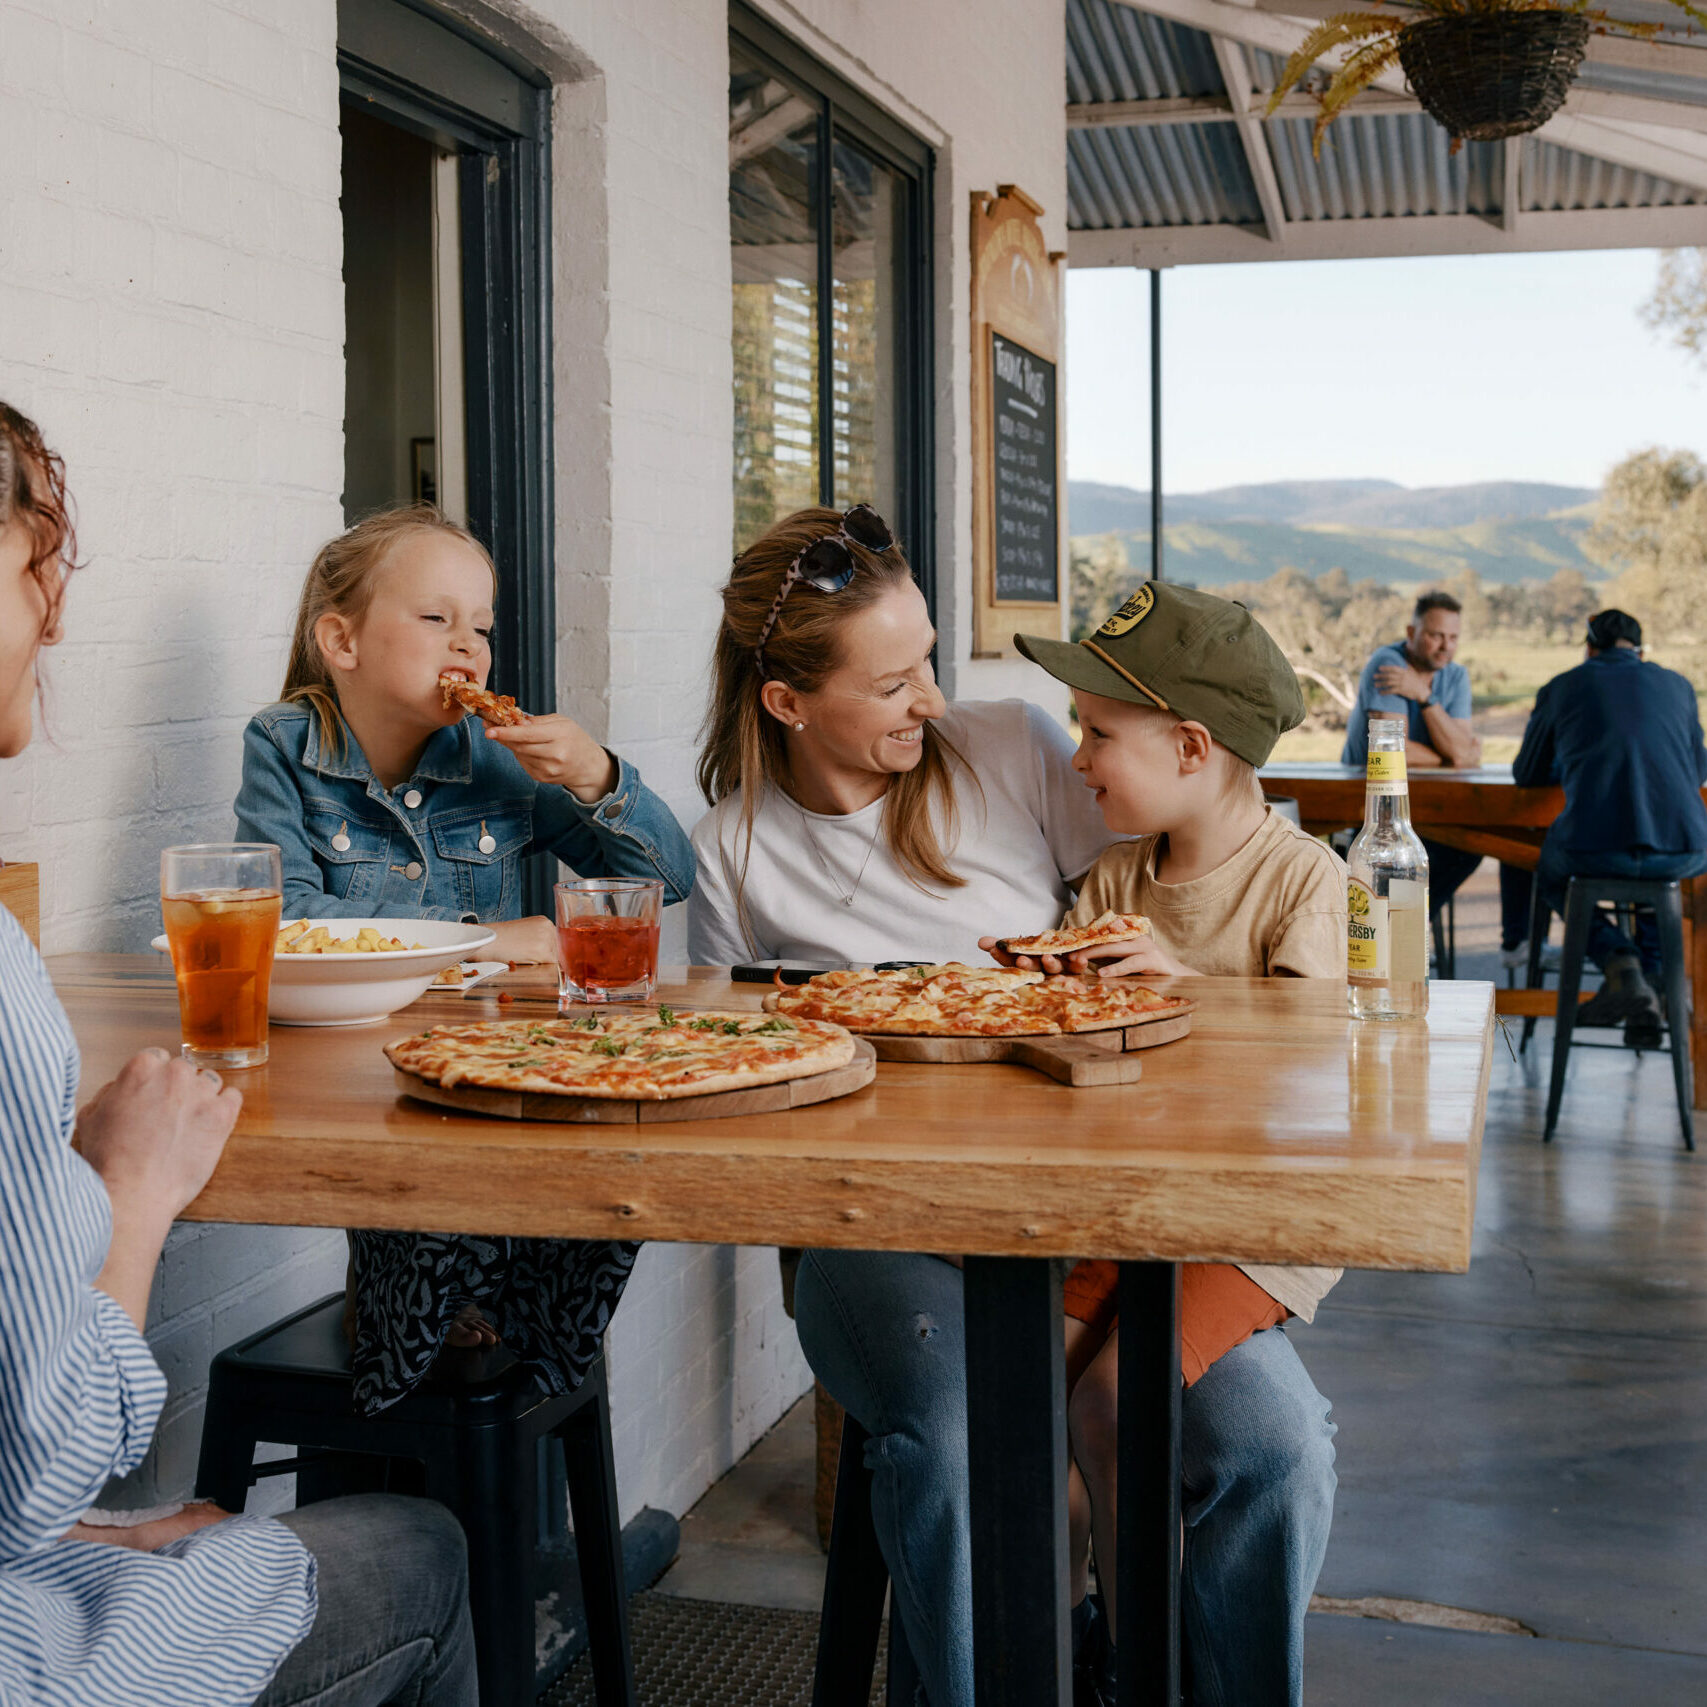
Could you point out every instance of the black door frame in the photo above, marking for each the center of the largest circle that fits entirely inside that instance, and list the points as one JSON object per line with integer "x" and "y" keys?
{"x": 417, "y": 71}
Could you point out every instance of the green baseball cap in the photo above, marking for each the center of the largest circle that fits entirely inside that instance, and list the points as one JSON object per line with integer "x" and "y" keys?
{"x": 1204, "y": 658}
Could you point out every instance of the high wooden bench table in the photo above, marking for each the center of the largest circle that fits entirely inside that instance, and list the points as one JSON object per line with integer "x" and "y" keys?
{"x": 1277, "y": 1132}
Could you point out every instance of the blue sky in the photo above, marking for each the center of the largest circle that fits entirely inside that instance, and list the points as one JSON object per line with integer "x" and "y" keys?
{"x": 1428, "y": 372}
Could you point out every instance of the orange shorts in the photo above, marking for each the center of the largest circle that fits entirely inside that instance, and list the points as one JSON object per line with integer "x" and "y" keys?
{"x": 1220, "y": 1307}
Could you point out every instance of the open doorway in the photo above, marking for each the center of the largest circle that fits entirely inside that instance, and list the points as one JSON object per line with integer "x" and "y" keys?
{"x": 403, "y": 391}
{"x": 446, "y": 213}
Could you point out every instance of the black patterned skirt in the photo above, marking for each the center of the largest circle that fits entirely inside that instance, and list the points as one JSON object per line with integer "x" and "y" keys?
{"x": 549, "y": 1299}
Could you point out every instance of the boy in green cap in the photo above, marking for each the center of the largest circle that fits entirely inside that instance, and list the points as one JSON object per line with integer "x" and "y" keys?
{"x": 1181, "y": 697}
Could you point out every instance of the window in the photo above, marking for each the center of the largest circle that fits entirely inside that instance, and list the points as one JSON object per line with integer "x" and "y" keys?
{"x": 829, "y": 220}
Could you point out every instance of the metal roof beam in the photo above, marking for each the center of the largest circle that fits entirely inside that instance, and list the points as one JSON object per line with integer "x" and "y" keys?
{"x": 1644, "y": 147}
{"x": 1372, "y": 239}
{"x": 1236, "y": 74}
{"x": 1218, "y": 109}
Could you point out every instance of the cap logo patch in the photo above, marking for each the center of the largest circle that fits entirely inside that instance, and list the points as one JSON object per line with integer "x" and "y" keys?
{"x": 1130, "y": 614}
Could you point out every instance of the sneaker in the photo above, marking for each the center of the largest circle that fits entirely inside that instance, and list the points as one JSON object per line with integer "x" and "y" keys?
{"x": 1517, "y": 959}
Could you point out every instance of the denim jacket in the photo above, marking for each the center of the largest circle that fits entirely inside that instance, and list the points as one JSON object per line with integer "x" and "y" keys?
{"x": 351, "y": 849}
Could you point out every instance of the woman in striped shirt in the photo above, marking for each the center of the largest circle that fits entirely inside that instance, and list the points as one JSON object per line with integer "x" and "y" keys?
{"x": 352, "y": 1603}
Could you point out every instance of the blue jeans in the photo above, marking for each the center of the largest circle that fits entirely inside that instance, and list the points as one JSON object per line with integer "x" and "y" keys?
{"x": 884, "y": 1332}
{"x": 1557, "y": 867}
{"x": 393, "y": 1627}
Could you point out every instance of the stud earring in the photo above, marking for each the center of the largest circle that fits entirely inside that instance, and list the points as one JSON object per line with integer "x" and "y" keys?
{"x": 798, "y": 727}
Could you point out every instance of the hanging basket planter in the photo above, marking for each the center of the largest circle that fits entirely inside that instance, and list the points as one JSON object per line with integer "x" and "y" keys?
{"x": 1484, "y": 75}
{"x": 1481, "y": 68}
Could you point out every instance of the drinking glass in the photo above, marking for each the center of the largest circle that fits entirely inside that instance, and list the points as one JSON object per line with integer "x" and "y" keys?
{"x": 220, "y": 901}
{"x": 608, "y": 929}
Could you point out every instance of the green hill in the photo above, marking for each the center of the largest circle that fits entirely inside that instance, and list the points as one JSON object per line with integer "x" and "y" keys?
{"x": 1501, "y": 552}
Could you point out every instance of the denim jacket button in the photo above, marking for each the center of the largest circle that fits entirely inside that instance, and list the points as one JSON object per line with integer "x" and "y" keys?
{"x": 614, "y": 810}
{"x": 412, "y": 799}
{"x": 413, "y": 870}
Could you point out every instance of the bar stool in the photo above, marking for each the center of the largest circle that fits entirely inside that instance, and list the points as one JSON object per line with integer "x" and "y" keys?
{"x": 290, "y": 1383}
{"x": 1582, "y": 897}
{"x": 854, "y": 1586}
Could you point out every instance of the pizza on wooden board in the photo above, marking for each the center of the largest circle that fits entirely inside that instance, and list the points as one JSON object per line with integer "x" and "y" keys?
{"x": 970, "y": 1001}
{"x": 1105, "y": 928}
{"x": 646, "y": 1055}
{"x": 498, "y": 708}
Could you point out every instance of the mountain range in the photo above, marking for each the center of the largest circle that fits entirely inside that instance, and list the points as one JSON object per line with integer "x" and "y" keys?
{"x": 1095, "y": 508}
{"x": 1507, "y": 530}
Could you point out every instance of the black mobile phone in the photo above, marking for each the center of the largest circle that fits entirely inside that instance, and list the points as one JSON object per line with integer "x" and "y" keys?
{"x": 767, "y": 971}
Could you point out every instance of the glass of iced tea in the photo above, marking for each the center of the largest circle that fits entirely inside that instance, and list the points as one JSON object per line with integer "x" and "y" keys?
{"x": 221, "y": 905}
{"x": 608, "y": 929}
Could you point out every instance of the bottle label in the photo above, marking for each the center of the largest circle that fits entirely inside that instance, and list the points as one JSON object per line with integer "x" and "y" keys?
{"x": 1368, "y": 944}
{"x": 1385, "y": 773}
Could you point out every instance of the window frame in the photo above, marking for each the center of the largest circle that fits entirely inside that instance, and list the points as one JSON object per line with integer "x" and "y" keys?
{"x": 844, "y": 112}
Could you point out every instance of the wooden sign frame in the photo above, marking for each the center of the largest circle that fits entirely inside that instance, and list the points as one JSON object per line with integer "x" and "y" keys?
{"x": 1015, "y": 295}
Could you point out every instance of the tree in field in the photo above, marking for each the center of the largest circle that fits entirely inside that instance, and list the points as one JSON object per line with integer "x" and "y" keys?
{"x": 1651, "y": 533}
{"x": 1099, "y": 577}
{"x": 1679, "y": 303}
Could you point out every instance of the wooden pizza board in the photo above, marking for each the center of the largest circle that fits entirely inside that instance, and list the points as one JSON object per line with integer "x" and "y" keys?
{"x": 1105, "y": 1057}
{"x": 615, "y": 1111}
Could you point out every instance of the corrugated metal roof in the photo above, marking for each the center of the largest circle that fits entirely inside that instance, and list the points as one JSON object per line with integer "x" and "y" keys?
{"x": 1389, "y": 166}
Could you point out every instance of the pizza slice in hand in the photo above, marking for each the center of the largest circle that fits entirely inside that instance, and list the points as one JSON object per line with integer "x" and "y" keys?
{"x": 1106, "y": 928}
{"x": 498, "y": 708}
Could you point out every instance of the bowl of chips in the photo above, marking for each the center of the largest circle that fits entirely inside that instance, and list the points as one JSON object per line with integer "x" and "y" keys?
{"x": 357, "y": 971}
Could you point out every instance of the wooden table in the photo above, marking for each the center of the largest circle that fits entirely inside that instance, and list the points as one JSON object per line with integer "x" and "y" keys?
{"x": 1277, "y": 1132}
{"x": 1485, "y": 812}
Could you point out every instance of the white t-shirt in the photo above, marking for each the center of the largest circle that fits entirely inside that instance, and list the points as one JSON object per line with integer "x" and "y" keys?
{"x": 1026, "y": 827}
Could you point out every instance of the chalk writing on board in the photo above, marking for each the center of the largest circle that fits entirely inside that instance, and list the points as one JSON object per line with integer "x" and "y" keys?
{"x": 1022, "y": 391}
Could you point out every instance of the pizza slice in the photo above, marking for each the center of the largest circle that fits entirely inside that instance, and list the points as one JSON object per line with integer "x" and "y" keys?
{"x": 498, "y": 708}
{"x": 1106, "y": 928}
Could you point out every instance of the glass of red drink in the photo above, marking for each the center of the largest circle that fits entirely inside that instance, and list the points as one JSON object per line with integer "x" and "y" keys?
{"x": 607, "y": 929}
{"x": 220, "y": 902}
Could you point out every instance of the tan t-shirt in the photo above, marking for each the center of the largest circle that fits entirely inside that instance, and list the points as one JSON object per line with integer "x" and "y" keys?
{"x": 1276, "y": 907}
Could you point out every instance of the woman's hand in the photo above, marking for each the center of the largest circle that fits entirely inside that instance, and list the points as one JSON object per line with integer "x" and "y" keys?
{"x": 1024, "y": 962}
{"x": 525, "y": 942}
{"x": 146, "y": 1537}
{"x": 155, "y": 1134}
{"x": 553, "y": 749}
{"x": 1144, "y": 958}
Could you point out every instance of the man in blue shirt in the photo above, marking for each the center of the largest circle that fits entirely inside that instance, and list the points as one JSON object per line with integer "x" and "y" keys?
{"x": 1623, "y": 738}
{"x": 1416, "y": 679}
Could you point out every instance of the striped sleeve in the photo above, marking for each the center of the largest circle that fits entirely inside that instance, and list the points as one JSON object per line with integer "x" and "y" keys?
{"x": 203, "y": 1623}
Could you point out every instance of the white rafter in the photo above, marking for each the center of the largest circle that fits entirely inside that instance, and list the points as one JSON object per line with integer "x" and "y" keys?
{"x": 1666, "y": 151}
{"x": 1236, "y": 74}
{"x": 1373, "y": 239}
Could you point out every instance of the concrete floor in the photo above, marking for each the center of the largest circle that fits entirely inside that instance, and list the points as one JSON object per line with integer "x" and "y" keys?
{"x": 1528, "y": 1440}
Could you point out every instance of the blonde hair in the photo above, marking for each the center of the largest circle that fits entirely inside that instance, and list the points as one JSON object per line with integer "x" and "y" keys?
{"x": 745, "y": 748}
{"x": 340, "y": 583}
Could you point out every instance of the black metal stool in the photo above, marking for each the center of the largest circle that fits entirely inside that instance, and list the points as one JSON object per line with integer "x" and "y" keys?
{"x": 854, "y": 1586}
{"x": 478, "y": 1446}
{"x": 1582, "y": 897}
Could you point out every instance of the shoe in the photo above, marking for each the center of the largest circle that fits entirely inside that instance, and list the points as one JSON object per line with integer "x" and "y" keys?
{"x": 1646, "y": 1031}
{"x": 1517, "y": 959}
{"x": 1623, "y": 1000}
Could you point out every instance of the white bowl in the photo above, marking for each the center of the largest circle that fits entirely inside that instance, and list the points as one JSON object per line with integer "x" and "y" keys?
{"x": 360, "y": 989}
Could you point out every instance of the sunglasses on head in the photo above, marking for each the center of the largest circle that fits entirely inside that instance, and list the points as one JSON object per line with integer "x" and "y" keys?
{"x": 828, "y": 564}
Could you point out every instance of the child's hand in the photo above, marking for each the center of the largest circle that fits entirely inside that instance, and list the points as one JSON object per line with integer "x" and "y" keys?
{"x": 526, "y": 942}
{"x": 1025, "y": 962}
{"x": 553, "y": 749}
{"x": 1144, "y": 958}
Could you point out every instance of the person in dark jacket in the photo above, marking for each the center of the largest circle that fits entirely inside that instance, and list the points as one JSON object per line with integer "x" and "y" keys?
{"x": 1623, "y": 738}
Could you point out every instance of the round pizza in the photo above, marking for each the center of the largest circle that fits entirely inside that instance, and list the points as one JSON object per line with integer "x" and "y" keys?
{"x": 1105, "y": 928}
{"x": 970, "y": 1001}
{"x": 646, "y": 1055}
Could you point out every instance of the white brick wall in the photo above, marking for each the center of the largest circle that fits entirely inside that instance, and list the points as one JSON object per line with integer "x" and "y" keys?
{"x": 170, "y": 310}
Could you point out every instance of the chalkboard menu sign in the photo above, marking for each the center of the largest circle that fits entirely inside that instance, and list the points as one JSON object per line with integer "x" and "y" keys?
{"x": 1027, "y": 536}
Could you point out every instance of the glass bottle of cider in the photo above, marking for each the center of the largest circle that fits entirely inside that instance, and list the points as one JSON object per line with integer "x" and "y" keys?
{"x": 1387, "y": 890}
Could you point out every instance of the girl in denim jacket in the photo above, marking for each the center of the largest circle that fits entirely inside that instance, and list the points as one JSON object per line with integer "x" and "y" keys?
{"x": 384, "y": 803}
